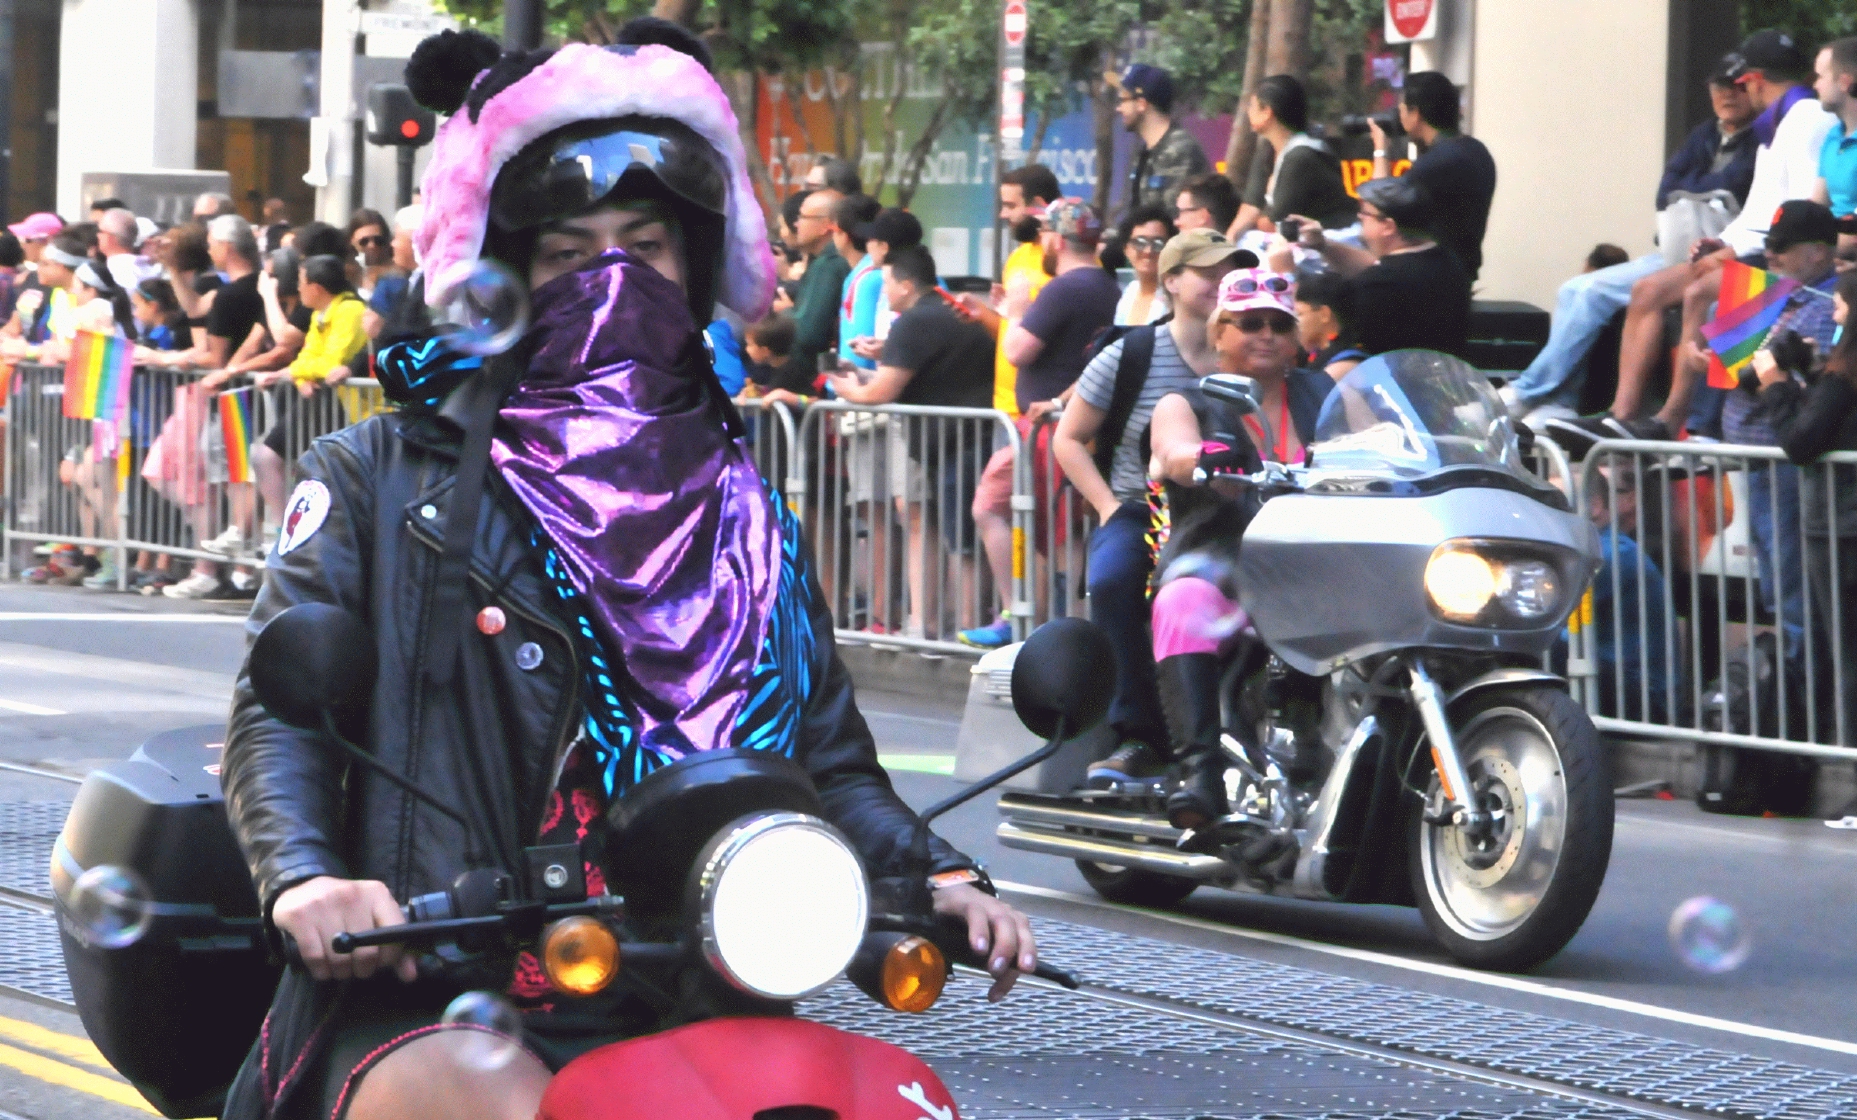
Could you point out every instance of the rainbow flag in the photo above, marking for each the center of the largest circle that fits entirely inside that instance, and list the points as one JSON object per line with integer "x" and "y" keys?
{"x": 1750, "y": 303}
{"x": 96, "y": 377}
{"x": 235, "y": 425}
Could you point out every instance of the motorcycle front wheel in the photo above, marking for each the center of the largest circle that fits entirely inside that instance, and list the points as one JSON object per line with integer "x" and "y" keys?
{"x": 1511, "y": 895}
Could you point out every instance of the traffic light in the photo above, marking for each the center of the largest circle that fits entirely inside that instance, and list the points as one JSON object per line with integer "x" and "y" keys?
{"x": 396, "y": 120}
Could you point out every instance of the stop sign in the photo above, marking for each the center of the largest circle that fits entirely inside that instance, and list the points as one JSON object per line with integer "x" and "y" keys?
{"x": 1410, "y": 17}
{"x": 1015, "y": 22}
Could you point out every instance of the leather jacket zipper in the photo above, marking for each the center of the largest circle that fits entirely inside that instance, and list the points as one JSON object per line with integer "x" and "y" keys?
{"x": 563, "y": 740}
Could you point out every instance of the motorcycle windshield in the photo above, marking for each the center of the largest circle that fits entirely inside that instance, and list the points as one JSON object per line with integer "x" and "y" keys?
{"x": 1410, "y": 414}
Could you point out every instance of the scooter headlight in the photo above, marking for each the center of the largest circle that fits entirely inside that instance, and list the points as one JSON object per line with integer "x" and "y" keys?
{"x": 783, "y": 903}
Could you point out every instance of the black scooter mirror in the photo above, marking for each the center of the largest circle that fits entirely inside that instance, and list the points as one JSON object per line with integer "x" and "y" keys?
{"x": 1065, "y": 673}
{"x": 313, "y": 660}
{"x": 1239, "y": 392}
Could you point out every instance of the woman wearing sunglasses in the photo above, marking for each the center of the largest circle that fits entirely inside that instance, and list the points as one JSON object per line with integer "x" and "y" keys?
{"x": 372, "y": 245}
{"x": 1144, "y": 232}
{"x": 1197, "y": 529}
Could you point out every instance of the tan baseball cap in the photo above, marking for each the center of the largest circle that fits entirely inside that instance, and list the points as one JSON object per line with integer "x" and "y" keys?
{"x": 1197, "y": 248}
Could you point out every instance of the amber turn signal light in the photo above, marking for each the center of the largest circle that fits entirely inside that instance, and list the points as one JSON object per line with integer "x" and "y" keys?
{"x": 580, "y": 955}
{"x": 913, "y": 974}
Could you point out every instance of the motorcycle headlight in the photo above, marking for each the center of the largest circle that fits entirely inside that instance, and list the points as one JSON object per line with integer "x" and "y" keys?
{"x": 1528, "y": 589}
{"x": 1489, "y": 583}
{"x": 1460, "y": 582}
{"x": 783, "y": 903}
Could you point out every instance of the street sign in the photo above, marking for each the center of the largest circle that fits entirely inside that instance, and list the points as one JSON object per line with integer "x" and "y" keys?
{"x": 1411, "y": 20}
{"x": 1013, "y": 26}
{"x": 404, "y": 23}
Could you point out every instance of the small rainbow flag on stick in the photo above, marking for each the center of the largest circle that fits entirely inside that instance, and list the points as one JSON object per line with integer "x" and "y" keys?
{"x": 235, "y": 425}
{"x": 1750, "y": 303}
{"x": 96, "y": 378}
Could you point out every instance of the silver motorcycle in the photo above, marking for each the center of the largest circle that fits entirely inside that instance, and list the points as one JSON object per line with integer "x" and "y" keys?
{"x": 1404, "y": 589}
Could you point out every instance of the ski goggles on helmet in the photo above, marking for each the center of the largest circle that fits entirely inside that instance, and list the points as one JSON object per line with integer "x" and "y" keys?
{"x": 572, "y": 169}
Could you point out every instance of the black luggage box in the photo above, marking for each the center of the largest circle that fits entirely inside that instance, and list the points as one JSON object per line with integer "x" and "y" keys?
{"x": 176, "y": 1011}
{"x": 1505, "y": 334}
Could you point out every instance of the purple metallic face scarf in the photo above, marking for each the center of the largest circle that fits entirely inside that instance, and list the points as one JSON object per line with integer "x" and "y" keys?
{"x": 658, "y": 515}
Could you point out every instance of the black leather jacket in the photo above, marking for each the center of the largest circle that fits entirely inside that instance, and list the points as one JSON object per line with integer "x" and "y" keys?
{"x": 490, "y": 746}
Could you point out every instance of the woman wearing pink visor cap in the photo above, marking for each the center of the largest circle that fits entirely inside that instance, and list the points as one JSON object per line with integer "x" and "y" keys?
{"x": 1197, "y": 529}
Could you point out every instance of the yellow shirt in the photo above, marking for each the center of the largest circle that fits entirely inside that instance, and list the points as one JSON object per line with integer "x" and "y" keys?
{"x": 1025, "y": 267}
{"x": 335, "y": 336}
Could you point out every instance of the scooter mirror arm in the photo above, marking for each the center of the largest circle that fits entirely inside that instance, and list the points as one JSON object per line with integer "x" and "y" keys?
{"x": 472, "y": 854}
{"x": 920, "y": 897}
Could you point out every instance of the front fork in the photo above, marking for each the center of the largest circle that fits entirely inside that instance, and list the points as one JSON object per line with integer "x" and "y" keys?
{"x": 1460, "y": 803}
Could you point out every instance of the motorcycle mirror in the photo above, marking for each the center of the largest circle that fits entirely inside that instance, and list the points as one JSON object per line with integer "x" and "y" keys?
{"x": 312, "y": 659}
{"x": 1240, "y": 392}
{"x": 1065, "y": 671}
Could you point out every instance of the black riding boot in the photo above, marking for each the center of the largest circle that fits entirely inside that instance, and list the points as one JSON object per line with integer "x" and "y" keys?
{"x": 1189, "y": 686}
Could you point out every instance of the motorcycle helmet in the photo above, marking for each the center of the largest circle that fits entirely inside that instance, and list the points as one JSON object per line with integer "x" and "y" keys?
{"x": 540, "y": 135}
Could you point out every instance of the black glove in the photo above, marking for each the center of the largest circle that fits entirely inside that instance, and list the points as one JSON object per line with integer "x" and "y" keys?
{"x": 1216, "y": 456}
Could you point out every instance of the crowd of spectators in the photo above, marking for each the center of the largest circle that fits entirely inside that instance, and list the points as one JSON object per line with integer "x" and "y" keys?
{"x": 272, "y": 309}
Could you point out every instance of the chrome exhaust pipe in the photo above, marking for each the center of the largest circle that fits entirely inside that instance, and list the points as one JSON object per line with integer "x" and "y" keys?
{"x": 1140, "y": 857}
{"x": 1023, "y": 811}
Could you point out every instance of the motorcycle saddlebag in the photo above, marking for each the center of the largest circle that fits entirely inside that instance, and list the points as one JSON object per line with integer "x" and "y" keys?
{"x": 175, "y": 1010}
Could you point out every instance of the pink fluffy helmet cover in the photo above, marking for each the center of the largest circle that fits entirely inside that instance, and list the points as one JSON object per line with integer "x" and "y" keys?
{"x": 583, "y": 83}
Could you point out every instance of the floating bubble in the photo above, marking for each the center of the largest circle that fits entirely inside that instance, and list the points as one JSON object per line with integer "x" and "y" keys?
{"x": 497, "y": 1042}
{"x": 486, "y": 305}
{"x": 1709, "y": 936}
{"x": 111, "y": 907}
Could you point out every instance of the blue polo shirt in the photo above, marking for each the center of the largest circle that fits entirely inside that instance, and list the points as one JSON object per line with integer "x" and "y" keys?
{"x": 1837, "y": 165}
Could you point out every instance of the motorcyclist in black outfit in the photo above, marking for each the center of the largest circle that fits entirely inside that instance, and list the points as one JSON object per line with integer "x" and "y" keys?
{"x": 625, "y": 593}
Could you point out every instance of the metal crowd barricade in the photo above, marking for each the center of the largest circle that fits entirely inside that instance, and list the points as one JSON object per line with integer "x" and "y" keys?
{"x": 187, "y": 462}
{"x": 773, "y": 438}
{"x": 1704, "y": 628}
{"x": 886, "y": 494}
{"x": 1057, "y": 561}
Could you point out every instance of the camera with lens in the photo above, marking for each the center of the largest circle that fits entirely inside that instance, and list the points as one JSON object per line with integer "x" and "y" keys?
{"x": 1796, "y": 355}
{"x": 1356, "y": 124}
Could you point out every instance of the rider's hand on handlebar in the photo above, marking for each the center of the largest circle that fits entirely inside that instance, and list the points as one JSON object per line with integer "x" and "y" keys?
{"x": 995, "y": 929}
{"x": 1217, "y": 457}
{"x": 313, "y": 912}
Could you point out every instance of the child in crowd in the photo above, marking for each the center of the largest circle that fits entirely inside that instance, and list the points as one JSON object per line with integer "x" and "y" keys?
{"x": 768, "y": 346}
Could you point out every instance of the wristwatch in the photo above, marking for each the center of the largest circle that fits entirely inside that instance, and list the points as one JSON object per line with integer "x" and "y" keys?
{"x": 975, "y": 875}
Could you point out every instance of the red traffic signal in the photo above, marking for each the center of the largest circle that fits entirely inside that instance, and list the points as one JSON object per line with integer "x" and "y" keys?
{"x": 396, "y": 120}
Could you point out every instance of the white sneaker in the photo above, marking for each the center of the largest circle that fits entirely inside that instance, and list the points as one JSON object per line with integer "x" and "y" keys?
{"x": 229, "y": 543}
{"x": 195, "y": 586}
{"x": 244, "y": 581}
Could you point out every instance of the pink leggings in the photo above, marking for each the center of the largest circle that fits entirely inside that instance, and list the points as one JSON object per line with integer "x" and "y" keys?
{"x": 1192, "y": 615}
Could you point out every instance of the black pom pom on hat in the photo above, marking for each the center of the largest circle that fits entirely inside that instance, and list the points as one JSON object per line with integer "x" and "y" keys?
{"x": 443, "y": 66}
{"x": 646, "y": 30}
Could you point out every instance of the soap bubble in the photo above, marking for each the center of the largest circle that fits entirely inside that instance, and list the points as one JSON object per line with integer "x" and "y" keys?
{"x": 1709, "y": 936}
{"x": 486, "y": 305}
{"x": 497, "y": 1043}
{"x": 110, "y": 907}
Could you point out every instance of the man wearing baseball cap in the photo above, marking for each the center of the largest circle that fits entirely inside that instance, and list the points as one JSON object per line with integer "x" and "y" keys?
{"x": 1048, "y": 346}
{"x": 1169, "y": 155}
{"x": 1254, "y": 332}
{"x": 35, "y": 231}
{"x": 1110, "y": 407}
{"x": 890, "y": 231}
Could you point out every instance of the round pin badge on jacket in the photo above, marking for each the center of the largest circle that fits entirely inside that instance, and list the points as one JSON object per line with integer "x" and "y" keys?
{"x": 491, "y": 621}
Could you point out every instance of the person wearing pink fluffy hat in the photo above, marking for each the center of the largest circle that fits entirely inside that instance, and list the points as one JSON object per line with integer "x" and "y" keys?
{"x": 572, "y": 574}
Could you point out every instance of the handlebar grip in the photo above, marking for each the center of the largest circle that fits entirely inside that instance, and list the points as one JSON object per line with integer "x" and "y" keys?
{"x": 343, "y": 943}
{"x": 1063, "y": 979}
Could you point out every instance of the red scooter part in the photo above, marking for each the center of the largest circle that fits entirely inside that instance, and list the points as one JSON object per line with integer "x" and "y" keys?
{"x": 730, "y": 1069}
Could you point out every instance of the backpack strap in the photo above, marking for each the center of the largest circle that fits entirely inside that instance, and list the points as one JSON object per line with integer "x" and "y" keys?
{"x": 1131, "y": 372}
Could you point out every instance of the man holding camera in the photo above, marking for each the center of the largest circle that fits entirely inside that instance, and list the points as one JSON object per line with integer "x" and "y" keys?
{"x": 1801, "y": 245}
{"x": 1456, "y": 170}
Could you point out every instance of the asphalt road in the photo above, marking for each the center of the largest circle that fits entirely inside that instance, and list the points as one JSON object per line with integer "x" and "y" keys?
{"x": 84, "y": 677}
